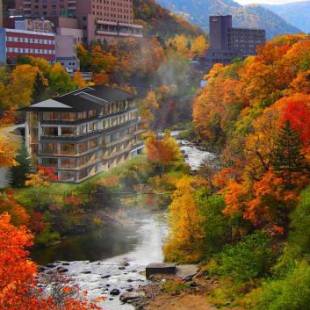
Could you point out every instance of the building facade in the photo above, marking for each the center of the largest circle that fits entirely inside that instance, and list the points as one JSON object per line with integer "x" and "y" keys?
{"x": 227, "y": 42}
{"x": 84, "y": 132}
{"x": 15, "y": 43}
{"x": 99, "y": 19}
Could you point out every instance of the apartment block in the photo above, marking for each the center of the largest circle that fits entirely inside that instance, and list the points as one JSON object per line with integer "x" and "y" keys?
{"x": 99, "y": 19}
{"x": 15, "y": 43}
{"x": 227, "y": 42}
{"x": 84, "y": 132}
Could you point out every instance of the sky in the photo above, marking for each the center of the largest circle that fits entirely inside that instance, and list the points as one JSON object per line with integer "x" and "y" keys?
{"x": 267, "y": 1}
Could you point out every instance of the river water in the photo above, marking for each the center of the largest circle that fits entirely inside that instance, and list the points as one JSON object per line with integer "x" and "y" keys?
{"x": 116, "y": 257}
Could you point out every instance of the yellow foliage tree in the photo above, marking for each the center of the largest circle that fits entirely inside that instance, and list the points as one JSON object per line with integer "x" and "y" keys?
{"x": 186, "y": 236}
{"x": 199, "y": 46}
{"x": 79, "y": 80}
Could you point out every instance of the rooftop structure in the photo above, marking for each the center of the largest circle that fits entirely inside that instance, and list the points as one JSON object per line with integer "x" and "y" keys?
{"x": 84, "y": 132}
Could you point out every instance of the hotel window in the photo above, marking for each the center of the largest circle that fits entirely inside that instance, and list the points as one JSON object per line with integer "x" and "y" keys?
{"x": 68, "y": 131}
{"x": 68, "y": 149}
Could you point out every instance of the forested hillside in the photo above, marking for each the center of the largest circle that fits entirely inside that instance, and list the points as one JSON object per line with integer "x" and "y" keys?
{"x": 160, "y": 22}
{"x": 247, "y": 217}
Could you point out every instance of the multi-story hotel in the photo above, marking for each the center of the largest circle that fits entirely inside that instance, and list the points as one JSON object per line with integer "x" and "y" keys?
{"x": 84, "y": 132}
{"x": 99, "y": 19}
{"x": 16, "y": 42}
{"x": 227, "y": 43}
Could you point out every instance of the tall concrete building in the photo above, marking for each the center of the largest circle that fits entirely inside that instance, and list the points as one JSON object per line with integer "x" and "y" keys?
{"x": 227, "y": 42}
{"x": 99, "y": 19}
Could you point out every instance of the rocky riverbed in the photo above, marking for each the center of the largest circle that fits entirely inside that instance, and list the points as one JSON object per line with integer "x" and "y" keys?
{"x": 111, "y": 276}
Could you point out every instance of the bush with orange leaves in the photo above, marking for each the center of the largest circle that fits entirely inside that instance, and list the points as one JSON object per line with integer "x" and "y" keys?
{"x": 18, "y": 281}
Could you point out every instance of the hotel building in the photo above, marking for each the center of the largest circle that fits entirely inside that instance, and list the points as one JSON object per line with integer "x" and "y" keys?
{"x": 227, "y": 43}
{"x": 99, "y": 19}
{"x": 16, "y": 42}
{"x": 83, "y": 132}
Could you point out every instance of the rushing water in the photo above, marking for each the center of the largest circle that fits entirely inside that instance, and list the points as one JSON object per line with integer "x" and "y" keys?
{"x": 116, "y": 256}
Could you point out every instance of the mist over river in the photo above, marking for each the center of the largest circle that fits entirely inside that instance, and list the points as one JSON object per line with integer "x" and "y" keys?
{"x": 115, "y": 256}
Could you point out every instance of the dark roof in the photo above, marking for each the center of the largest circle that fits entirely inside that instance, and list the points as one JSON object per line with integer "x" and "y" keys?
{"x": 89, "y": 98}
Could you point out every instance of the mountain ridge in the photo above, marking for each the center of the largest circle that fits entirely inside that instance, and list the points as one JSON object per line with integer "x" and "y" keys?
{"x": 250, "y": 16}
{"x": 296, "y": 13}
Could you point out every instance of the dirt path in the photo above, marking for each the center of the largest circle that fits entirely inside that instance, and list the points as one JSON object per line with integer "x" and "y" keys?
{"x": 182, "y": 302}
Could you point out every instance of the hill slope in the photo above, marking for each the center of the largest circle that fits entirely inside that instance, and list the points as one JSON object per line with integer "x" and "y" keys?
{"x": 160, "y": 21}
{"x": 251, "y": 16}
{"x": 297, "y": 14}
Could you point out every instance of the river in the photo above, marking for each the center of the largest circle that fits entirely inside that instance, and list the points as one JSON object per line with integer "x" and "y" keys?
{"x": 116, "y": 256}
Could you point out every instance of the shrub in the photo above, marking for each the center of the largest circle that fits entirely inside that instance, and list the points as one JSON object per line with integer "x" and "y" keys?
{"x": 250, "y": 258}
{"x": 289, "y": 293}
{"x": 216, "y": 227}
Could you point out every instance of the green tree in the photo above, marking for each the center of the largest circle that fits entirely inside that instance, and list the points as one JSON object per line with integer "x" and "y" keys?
{"x": 22, "y": 169}
{"x": 287, "y": 156}
{"x": 39, "y": 87}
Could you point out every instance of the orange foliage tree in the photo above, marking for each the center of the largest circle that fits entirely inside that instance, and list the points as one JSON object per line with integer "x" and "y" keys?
{"x": 18, "y": 287}
{"x": 163, "y": 151}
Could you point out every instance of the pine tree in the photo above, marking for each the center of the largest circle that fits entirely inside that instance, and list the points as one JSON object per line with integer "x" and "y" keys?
{"x": 19, "y": 172}
{"x": 287, "y": 157}
{"x": 38, "y": 88}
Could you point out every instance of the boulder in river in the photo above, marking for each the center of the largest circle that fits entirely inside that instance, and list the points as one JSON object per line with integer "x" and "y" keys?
{"x": 106, "y": 276}
{"x": 160, "y": 268}
{"x": 132, "y": 297}
{"x": 115, "y": 292}
{"x": 62, "y": 270}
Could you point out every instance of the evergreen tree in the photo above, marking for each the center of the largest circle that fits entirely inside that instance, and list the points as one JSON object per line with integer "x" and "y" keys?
{"x": 38, "y": 88}
{"x": 287, "y": 157}
{"x": 23, "y": 167}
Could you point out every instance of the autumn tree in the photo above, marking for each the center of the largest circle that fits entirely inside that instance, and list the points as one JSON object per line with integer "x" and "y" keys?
{"x": 42, "y": 178}
{"x": 184, "y": 243}
{"x": 79, "y": 80}
{"x": 7, "y": 152}
{"x": 59, "y": 80}
{"x": 147, "y": 108}
{"x": 199, "y": 46}
{"x": 162, "y": 152}
{"x": 18, "y": 276}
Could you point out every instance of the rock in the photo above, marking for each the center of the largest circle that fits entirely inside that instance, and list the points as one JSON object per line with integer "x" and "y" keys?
{"x": 86, "y": 272}
{"x": 130, "y": 280}
{"x": 108, "y": 285}
{"x": 41, "y": 269}
{"x": 62, "y": 270}
{"x": 122, "y": 268}
{"x": 160, "y": 268}
{"x": 50, "y": 266}
{"x": 132, "y": 297}
{"x": 130, "y": 289}
{"x": 193, "y": 284}
{"x": 115, "y": 292}
{"x": 106, "y": 277}
{"x": 66, "y": 264}
{"x": 186, "y": 272}
{"x": 111, "y": 299}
